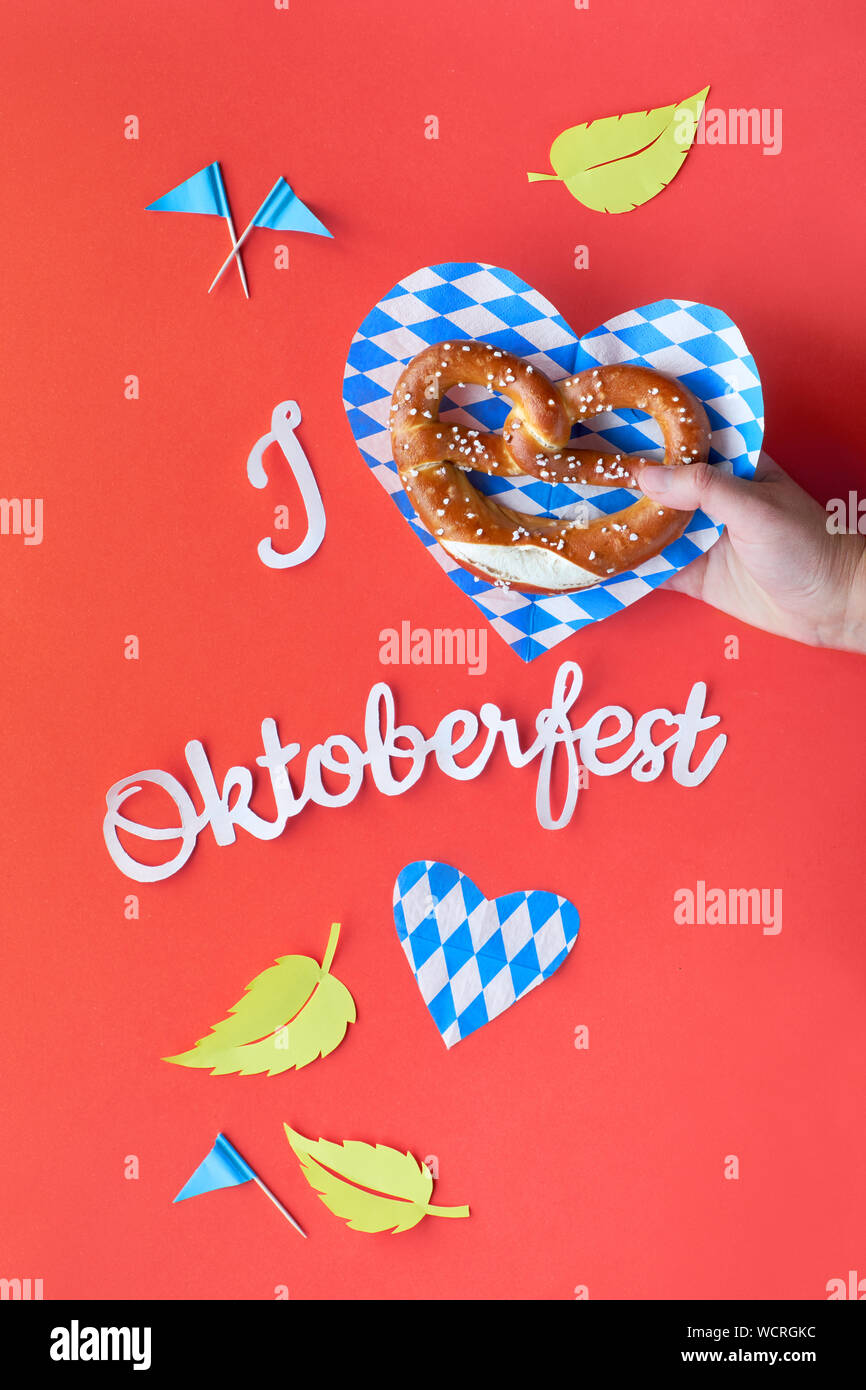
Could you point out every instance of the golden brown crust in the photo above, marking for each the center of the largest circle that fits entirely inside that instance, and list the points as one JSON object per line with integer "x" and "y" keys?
{"x": 433, "y": 458}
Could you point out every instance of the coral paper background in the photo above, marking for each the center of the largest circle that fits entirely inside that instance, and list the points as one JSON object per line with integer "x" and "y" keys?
{"x": 601, "y": 1168}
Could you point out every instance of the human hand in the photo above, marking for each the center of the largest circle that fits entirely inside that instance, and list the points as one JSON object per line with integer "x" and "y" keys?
{"x": 776, "y": 565}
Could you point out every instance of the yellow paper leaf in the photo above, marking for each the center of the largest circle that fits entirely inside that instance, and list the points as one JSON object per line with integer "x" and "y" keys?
{"x": 372, "y": 1187}
{"x": 619, "y": 162}
{"x": 292, "y": 1013}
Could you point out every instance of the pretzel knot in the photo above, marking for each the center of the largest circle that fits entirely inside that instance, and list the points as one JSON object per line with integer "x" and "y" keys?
{"x": 537, "y": 554}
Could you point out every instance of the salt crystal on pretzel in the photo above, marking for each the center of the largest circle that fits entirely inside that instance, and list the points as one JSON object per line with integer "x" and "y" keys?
{"x": 510, "y": 547}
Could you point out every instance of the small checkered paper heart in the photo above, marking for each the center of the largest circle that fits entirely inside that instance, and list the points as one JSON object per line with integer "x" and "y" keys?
{"x": 694, "y": 343}
{"x": 473, "y": 957}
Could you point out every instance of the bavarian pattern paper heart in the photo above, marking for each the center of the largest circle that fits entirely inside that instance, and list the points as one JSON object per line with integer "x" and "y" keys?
{"x": 473, "y": 957}
{"x": 697, "y": 344}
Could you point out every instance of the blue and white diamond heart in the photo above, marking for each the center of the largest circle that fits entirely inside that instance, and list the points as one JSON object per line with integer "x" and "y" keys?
{"x": 696, "y": 343}
{"x": 473, "y": 957}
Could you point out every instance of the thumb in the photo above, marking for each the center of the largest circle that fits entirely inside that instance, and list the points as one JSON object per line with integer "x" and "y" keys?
{"x": 724, "y": 498}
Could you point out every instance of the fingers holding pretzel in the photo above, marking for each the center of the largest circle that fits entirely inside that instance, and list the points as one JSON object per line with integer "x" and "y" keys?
{"x": 540, "y": 554}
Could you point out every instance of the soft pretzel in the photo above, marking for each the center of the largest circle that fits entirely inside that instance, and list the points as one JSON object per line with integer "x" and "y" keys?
{"x": 537, "y": 554}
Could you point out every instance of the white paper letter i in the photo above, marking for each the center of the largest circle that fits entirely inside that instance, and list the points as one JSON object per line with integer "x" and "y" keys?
{"x": 284, "y": 420}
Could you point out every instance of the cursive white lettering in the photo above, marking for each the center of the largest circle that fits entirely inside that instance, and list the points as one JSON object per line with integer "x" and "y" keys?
{"x": 390, "y": 748}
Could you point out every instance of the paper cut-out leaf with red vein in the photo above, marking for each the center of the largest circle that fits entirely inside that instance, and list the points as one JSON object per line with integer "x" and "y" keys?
{"x": 372, "y": 1187}
{"x": 619, "y": 162}
{"x": 291, "y": 1014}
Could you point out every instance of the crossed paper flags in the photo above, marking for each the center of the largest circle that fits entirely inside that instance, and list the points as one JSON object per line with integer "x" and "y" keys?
{"x": 282, "y": 211}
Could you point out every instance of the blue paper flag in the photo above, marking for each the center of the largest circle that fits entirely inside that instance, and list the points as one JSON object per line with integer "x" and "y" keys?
{"x": 283, "y": 211}
{"x": 223, "y": 1167}
{"x": 204, "y": 192}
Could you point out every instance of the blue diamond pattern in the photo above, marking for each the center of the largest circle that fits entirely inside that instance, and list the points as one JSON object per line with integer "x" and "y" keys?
{"x": 474, "y": 957}
{"x": 522, "y": 321}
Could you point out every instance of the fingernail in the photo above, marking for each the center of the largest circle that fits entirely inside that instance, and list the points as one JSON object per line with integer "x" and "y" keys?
{"x": 656, "y": 478}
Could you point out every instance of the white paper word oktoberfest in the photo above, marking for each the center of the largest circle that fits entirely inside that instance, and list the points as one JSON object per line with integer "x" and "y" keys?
{"x": 389, "y": 748}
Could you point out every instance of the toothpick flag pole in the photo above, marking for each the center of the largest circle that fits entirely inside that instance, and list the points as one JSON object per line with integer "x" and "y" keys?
{"x": 282, "y": 211}
{"x": 236, "y": 254}
{"x": 278, "y": 1204}
{"x": 225, "y": 1167}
